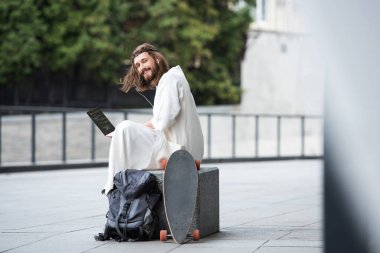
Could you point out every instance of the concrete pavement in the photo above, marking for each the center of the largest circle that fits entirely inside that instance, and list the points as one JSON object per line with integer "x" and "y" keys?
{"x": 264, "y": 207}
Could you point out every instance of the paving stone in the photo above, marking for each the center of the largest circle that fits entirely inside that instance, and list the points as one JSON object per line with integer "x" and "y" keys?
{"x": 294, "y": 243}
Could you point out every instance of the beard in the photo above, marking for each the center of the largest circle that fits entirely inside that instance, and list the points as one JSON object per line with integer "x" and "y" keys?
{"x": 149, "y": 73}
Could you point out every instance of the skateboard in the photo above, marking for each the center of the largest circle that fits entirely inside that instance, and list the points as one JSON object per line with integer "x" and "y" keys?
{"x": 180, "y": 188}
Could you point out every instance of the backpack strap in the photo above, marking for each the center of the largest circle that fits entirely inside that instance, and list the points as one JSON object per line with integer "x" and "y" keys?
{"x": 141, "y": 233}
{"x": 121, "y": 234}
{"x": 121, "y": 212}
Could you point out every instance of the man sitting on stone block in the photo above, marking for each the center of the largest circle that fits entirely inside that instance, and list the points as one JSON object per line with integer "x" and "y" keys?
{"x": 175, "y": 123}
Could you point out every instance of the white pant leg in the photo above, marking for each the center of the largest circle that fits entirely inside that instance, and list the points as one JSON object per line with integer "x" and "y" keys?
{"x": 131, "y": 148}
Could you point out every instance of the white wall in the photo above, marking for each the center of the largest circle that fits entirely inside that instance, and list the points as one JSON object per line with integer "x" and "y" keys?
{"x": 282, "y": 73}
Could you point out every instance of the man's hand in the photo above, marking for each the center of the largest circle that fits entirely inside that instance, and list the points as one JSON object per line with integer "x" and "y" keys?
{"x": 149, "y": 124}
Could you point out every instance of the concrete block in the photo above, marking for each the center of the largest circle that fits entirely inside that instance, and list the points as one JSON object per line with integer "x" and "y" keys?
{"x": 206, "y": 215}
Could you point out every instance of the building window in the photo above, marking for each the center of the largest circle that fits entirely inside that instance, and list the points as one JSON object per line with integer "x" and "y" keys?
{"x": 263, "y": 10}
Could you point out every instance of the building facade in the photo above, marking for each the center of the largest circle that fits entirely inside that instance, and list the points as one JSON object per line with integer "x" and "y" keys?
{"x": 282, "y": 71}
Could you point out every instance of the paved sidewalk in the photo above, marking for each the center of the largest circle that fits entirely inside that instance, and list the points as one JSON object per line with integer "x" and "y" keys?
{"x": 264, "y": 207}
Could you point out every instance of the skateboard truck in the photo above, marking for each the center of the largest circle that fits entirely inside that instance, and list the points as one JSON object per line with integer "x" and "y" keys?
{"x": 195, "y": 235}
{"x": 165, "y": 161}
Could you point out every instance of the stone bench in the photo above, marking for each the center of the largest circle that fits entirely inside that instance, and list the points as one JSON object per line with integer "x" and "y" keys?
{"x": 206, "y": 215}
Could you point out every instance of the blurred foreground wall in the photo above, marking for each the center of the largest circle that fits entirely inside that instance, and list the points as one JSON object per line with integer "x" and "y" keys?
{"x": 349, "y": 37}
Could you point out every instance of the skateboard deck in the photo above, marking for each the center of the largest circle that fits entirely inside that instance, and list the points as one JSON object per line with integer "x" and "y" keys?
{"x": 180, "y": 193}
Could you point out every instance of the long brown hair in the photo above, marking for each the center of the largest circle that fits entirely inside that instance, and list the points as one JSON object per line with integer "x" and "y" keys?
{"x": 134, "y": 79}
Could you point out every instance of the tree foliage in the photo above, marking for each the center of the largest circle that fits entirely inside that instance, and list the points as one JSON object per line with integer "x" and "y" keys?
{"x": 88, "y": 40}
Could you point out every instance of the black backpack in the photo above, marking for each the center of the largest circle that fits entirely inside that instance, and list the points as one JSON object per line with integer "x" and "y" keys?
{"x": 130, "y": 216}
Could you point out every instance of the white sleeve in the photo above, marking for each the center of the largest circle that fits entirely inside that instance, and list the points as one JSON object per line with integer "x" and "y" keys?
{"x": 167, "y": 103}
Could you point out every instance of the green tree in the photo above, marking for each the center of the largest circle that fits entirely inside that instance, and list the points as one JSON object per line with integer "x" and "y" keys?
{"x": 43, "y": 40}
{"x": 88, "y": 41}
{"x": 21, "y": 30}
{"x": 207, "y": 38}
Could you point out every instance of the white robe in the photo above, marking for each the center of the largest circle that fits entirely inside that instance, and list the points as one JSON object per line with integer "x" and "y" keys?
{"x": 176, "y": 126}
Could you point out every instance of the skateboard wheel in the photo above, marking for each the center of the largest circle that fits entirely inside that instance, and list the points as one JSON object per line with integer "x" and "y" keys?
{"x": 163, "y": 235}
{"x": 198, "y": 164}
{"x": 196, "y": 235}
{"x": 163, "y": 164}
